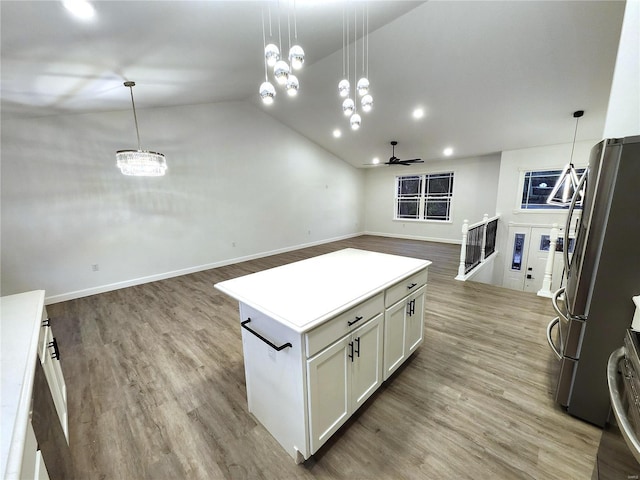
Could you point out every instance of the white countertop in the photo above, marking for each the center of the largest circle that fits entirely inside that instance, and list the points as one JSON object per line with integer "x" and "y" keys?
{"x": 20, "y": 317}
{"x": 304, "y": 294}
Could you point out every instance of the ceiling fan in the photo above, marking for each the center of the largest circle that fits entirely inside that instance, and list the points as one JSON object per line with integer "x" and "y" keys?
{"x": 396, "y": 161}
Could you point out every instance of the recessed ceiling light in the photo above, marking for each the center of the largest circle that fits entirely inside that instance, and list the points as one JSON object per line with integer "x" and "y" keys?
{"x": 375, "y": 160}
{"x": 447, "y": 152}
{"x": 80, "y": 9}
{"x": 337, "y": 133}
{"x": 418, "y": 113}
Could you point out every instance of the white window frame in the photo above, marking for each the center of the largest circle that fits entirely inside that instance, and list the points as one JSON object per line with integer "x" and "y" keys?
{"x": 547, "y": 209}
{"x": 423, "y": 198}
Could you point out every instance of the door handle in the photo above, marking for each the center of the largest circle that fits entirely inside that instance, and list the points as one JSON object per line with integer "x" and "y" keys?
{"x": 357, "y": 340}
{"x": 550, "y": 327}
{"x": 350, "y": 355}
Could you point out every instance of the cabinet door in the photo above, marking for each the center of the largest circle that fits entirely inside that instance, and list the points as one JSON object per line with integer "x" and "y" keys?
{"x": 366, "y": 367}
{"x": 328, "y": 375}
{"x": 415, "y": 322}
{"x": 55, "y": 379}
{"x": 394, "y": 337}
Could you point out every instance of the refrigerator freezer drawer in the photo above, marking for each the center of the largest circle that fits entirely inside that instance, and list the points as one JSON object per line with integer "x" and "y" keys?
{"x": 565, "y": 380}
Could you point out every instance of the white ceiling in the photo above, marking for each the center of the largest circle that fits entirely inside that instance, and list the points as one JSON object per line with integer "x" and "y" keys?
{"x": 491, "y": 76}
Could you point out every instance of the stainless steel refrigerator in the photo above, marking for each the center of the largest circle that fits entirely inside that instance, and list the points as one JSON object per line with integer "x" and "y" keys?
{"x": 603, "y": 273}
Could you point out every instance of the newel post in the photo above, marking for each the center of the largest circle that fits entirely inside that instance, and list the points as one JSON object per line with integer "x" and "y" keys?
{"x": 463, "y": 248}
{"x": 485, "y": 220}
{"x": 545, "y": 291}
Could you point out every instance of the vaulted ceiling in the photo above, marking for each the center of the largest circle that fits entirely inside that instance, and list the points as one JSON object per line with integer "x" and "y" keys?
{"x": 490, "y": 76}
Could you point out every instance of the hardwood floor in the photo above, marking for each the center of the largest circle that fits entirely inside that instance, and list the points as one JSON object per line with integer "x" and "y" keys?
{"x": 156, "y": 388}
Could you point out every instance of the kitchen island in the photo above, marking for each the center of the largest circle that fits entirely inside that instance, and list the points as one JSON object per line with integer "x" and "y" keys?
{"x": 320, "y": 336}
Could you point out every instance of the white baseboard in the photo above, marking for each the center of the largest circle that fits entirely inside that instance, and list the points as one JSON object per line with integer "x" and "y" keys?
{"x": 185, "y": 271}
{"x": 415, "y": 237}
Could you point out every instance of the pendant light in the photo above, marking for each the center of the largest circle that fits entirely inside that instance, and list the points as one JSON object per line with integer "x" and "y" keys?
{"x": 141, "y": 163}
{"x": 355, "y": 119}
{"x": 343, "y": 85}
{"x": 363, "y": 84}
{"x": 267, "y": 90}
{"x": 568, "y": 181}
{"x": 296, "y": 53}
{"x": 366, "y": 102}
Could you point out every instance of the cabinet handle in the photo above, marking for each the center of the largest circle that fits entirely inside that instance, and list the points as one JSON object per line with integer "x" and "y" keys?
{"x": 358, "y": 350}
{"x": 350, "y": 355}
{"x": 355, "y": 321}
{"x": 46, "y": 322}
{"x": 56, "y": 352}
{"x": 272, "y": 345}
{"x": 409, "y": 287}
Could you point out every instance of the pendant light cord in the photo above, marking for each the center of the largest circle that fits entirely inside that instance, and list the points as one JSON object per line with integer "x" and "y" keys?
{"x": 264, "y": 46}
{"x": 574, "y": 141}
{"x": 363, "y": 15}
{"x": 135, "y": 117}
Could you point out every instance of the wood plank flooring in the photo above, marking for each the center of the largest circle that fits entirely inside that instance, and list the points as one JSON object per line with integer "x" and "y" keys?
{"x": 156, "y": 388}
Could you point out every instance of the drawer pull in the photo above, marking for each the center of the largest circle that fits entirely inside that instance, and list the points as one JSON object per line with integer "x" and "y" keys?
{"x": 409, "y": 287}
{"x": 56, "y": 352}
{"x": 272, "y": 345}
{"x": 411, "y": 308}
{"x": 46, "y": 322}
{"x": 355, "y": 321}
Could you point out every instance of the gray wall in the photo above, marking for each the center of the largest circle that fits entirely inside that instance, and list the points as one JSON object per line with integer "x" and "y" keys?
{"x": 475, "y": 187}
{"x": 236, "y": 177}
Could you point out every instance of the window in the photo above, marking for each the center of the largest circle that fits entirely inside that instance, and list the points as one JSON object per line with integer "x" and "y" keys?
{"x": 424, "y": 197}
{"x": 545, "y": 241}
{"x": 537, "y": 187}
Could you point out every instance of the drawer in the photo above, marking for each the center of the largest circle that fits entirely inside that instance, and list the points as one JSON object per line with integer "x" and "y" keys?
{"x": 404, "y": 287}
{"x": 335, "y": 328}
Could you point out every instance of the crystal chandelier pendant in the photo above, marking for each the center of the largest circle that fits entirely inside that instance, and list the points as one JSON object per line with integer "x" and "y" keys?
{"x": 348, "y": 107}
{"x": 343, "y": 88}
{"x": 366, "y": 103}
{"x": 296, "y": 57}
{"x": 267, "y": 93}
{"x": 355, "y": 121}
{"x": 272, "y": 54}
{"x": 292, "y": 85}
{"x": 141, "y": 163}
{"x": 363, "y": 86}
{"x": 281, "y": 72}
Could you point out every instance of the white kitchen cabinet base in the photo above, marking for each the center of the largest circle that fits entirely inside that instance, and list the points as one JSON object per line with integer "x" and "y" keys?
{"x": 273, "y": 380}
{"x": 313, "y": 338}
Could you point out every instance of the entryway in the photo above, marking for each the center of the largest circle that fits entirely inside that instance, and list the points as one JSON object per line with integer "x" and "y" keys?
{"x": 527, "y": 252}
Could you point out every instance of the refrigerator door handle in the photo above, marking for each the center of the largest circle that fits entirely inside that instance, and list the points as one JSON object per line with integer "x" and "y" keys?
{"x": 550, "y": 327}
{"x": 554, "y": 302}
{"x": 574, "y": 200}
{"x": 617, "y": 405}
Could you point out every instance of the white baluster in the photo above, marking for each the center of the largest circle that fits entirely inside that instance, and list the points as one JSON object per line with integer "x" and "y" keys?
{"x": 485, "y": 220}
{"x": 463, "y": 249}
{"x": 545, "y": 291}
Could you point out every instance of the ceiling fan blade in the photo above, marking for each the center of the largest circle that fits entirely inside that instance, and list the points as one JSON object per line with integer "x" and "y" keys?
{"x": 414, "y": 160}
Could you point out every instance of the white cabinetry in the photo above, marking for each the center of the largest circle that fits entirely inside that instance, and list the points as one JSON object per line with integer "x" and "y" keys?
{"x": 50, "y": 360}
{"x": 342, "y": 377}
{"x": 314, "y": 338}
{"x": 403, "y": 329}
{"x": 33, "y": 392}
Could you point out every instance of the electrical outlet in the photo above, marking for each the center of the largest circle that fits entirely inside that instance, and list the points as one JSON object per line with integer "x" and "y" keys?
{"x": 95, "y": 267}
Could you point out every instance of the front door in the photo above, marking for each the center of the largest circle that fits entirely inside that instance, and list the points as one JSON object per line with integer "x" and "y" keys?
{"x": 528, "y": 250}
{"x": 536, "y": 259}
